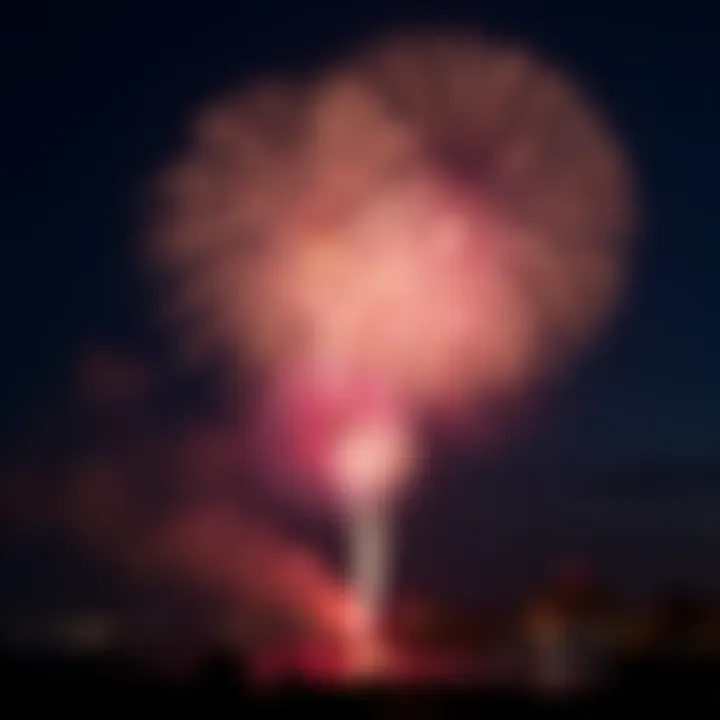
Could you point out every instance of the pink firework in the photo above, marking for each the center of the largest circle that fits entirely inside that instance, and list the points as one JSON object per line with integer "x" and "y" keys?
{"x": 446, "y": 216}
{"x": 432, "y": 223}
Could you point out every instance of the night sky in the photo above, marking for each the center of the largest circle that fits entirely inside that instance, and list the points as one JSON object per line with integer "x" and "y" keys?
{"x": 98, "y": 96}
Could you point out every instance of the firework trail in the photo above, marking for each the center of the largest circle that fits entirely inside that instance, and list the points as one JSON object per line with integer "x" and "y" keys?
{"x": 436, "y": 222}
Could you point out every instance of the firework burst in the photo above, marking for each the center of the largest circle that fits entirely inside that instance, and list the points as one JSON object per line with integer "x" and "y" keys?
{"x": 433, "y": 222}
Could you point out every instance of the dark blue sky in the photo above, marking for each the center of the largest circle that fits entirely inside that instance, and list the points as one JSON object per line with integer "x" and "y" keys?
{"x": 96, "y": 96}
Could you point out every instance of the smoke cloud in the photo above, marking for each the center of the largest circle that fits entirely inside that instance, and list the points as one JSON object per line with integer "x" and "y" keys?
{"x": 160, "y": 498}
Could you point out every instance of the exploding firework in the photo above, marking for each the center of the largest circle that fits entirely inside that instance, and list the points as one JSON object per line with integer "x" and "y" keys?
{"x": 434, "y": 222}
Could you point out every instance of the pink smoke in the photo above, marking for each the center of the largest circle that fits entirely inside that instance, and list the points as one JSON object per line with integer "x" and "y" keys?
{"x": 157, "y": 500}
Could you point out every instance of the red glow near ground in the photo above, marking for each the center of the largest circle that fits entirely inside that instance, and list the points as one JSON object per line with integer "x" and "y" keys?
{"x": 327, "y": 667}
